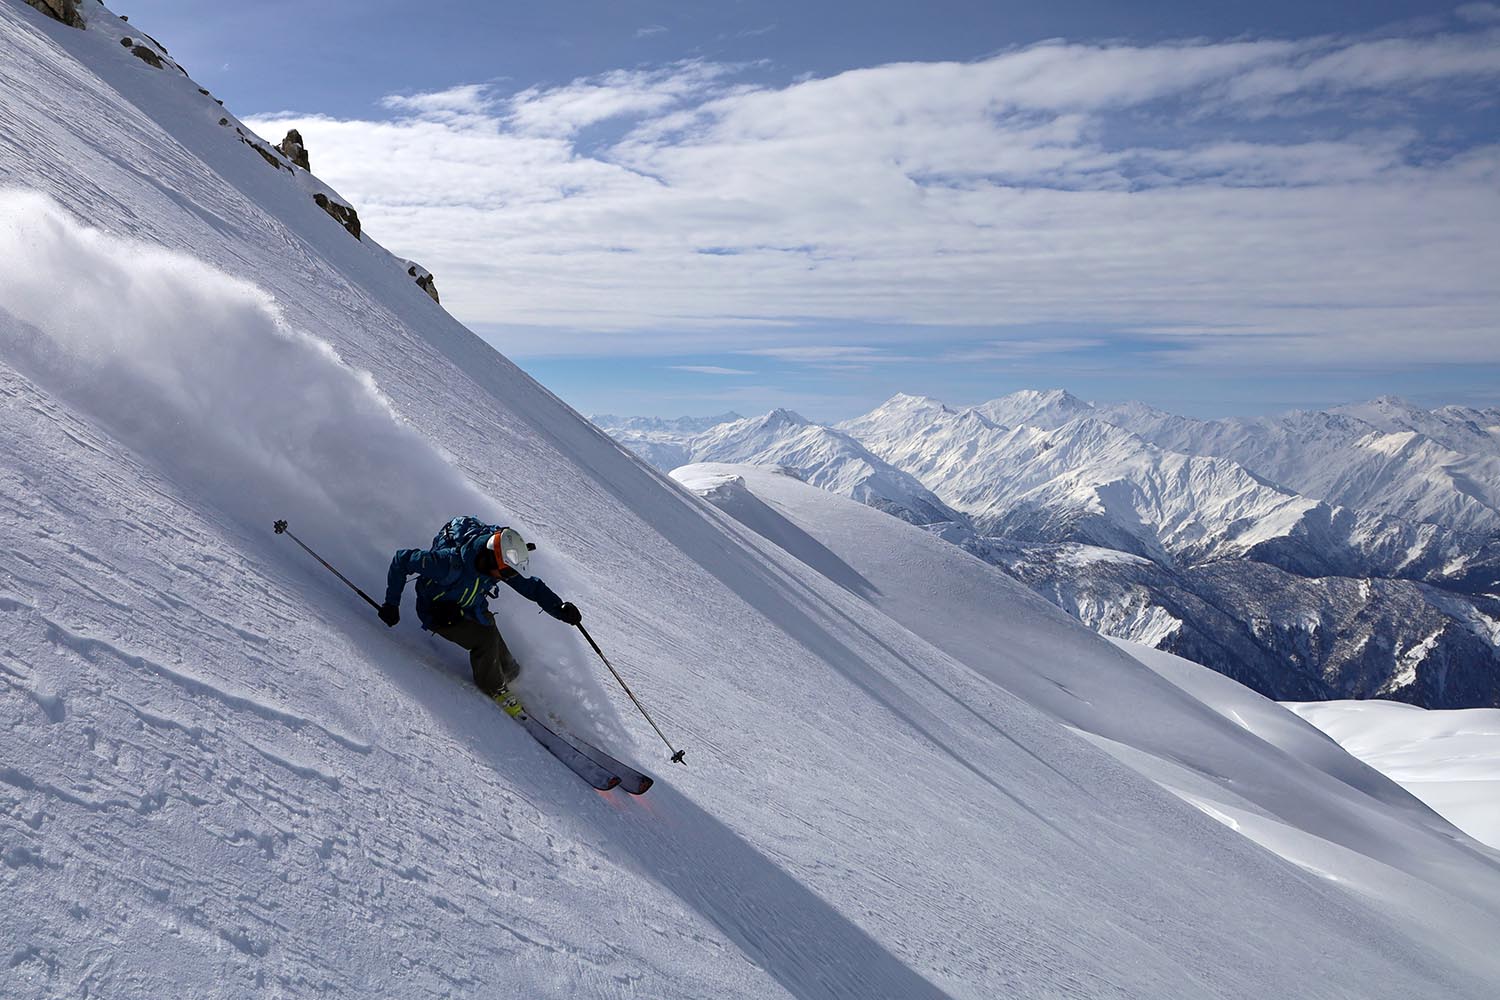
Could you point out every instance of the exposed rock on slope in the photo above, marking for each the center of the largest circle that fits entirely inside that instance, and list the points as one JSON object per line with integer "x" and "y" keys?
{"x": 65, "y": 11}
{"x": 293, "y": 149}
{"x": 343, "y": 214}
{"x": 423, "y": 278}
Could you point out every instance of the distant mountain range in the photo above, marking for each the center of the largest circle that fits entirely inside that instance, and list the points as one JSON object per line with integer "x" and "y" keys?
{"x": 1350, "y": 552}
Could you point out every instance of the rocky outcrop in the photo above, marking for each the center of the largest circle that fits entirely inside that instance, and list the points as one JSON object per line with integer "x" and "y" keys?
{"x": 65, "y": 11}
{"x": 344, "y": 215}
{"x": 141, "y": 52}
{"x": 294, "y": 150}
{"x": 424, "y": 280}
{"x": 265, "y": 154}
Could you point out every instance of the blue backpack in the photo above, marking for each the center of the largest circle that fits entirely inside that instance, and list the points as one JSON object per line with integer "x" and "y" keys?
{"x": 461, "y": 531}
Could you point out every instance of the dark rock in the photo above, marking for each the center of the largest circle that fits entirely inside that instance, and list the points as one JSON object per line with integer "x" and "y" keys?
{"x": 425, "y": 282}
{"x": 141, "y": 52}
{"x": 344, "y": 215}
{"x": 223, "y": 121}
{"x": 294, "y": 149}
{"x": 65, "y": 11}
{"x": 265, "y": 154}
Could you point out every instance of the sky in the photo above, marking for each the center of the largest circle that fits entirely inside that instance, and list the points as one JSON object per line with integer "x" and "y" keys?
{"x": 665, "y": 209}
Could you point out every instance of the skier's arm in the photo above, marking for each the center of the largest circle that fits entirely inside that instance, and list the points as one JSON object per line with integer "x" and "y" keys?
{"x": 533, "y": 589}
{"x": 440, "y": 565}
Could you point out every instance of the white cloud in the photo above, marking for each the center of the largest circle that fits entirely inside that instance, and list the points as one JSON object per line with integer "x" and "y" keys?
{"x": 709, "y": 370}
{"x": 831, "y": 355}
{"x": 472, "y": 98}
{"x": 621, "y": 93}
{"x": 1022, "y": 348}
{"x": 649, "y": 30}
{"x": 971, "y": 196}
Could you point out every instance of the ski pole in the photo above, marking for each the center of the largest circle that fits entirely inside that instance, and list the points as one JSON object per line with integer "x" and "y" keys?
{"x": 676, "y": 753}
{"x": 280, "y": 527}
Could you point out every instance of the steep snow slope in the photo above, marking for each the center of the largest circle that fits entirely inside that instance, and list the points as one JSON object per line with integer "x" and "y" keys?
{"x": 1240, "y": 758}
{"x": 221, "y": 777}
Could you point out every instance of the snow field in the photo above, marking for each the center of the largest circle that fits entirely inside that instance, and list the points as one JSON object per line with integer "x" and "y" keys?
{"x": 1449, "y": 759}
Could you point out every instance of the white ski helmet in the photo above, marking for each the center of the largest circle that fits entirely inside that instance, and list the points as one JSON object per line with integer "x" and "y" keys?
{"x": 510, "y": 549}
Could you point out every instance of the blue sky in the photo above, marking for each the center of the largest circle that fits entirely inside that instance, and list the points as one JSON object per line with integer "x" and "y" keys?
{"x": 668, "y": 208}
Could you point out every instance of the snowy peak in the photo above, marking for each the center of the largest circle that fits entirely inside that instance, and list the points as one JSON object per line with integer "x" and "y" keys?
{"x": 903, "y": 403}
{"x": 824, "y": 457}
{"x": 1464, "y": 431}
{"x": 1037, "y": 408}
{"x": 1319, "y": 497}
{"x": 781, "y": 419}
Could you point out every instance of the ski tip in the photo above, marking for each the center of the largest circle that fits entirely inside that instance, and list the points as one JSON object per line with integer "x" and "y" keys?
{"x": 641, "y": 787}
{"x": 614, "y": 780}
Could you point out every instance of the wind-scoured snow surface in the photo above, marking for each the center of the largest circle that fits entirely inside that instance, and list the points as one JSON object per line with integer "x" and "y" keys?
{"x": 221, "y": 776}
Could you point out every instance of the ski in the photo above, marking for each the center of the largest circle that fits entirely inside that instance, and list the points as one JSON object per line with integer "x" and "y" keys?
{"x": 631, "y": 780}
{"x": 577, "y": 761}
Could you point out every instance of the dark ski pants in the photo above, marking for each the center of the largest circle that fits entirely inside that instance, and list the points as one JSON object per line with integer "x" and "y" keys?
{"x": 493, "y": 665}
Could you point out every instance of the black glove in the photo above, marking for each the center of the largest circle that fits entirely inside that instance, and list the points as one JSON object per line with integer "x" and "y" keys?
{"x": 568, "y": 614}
{"x": 390, "y": 614}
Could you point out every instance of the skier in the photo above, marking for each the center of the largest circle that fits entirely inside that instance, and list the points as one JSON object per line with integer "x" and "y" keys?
{"x": 456, "y": 578}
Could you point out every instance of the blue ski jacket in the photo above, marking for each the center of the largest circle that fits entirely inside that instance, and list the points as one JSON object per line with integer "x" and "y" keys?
{"x": 450, "y": 585}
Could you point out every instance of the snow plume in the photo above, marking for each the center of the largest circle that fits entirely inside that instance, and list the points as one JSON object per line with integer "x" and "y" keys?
{"x": 199, "y": 369}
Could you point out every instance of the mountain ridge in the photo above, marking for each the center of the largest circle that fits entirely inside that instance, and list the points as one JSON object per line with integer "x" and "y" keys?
{"x": 1066, "y": 471}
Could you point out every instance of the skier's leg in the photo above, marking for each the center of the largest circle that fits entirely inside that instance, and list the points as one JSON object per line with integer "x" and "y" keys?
{"x": 502, "y": 664}
{"x": 492, "y": 663}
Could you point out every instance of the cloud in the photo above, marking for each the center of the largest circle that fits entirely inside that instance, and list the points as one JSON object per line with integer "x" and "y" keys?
{"x": 830, "y": 355}
{"x": 1022, "y": 348}
{"x": 649, "y": 30}
{"x": 470, "y": 99}
{"x": 1479, "y": 13}
{"x": 1305, "y": 200}
{"x": 622, "y": 93}
{"x": 709, "y": 370}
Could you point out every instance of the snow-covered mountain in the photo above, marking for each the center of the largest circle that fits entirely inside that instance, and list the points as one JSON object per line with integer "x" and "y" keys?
{"x": 1342, "y": 458}
{"x": 656, "y": 425}
{"x": 823, "y": 457}
{"x": 1214, "y": 557}
{"x": 222, "y": 776}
